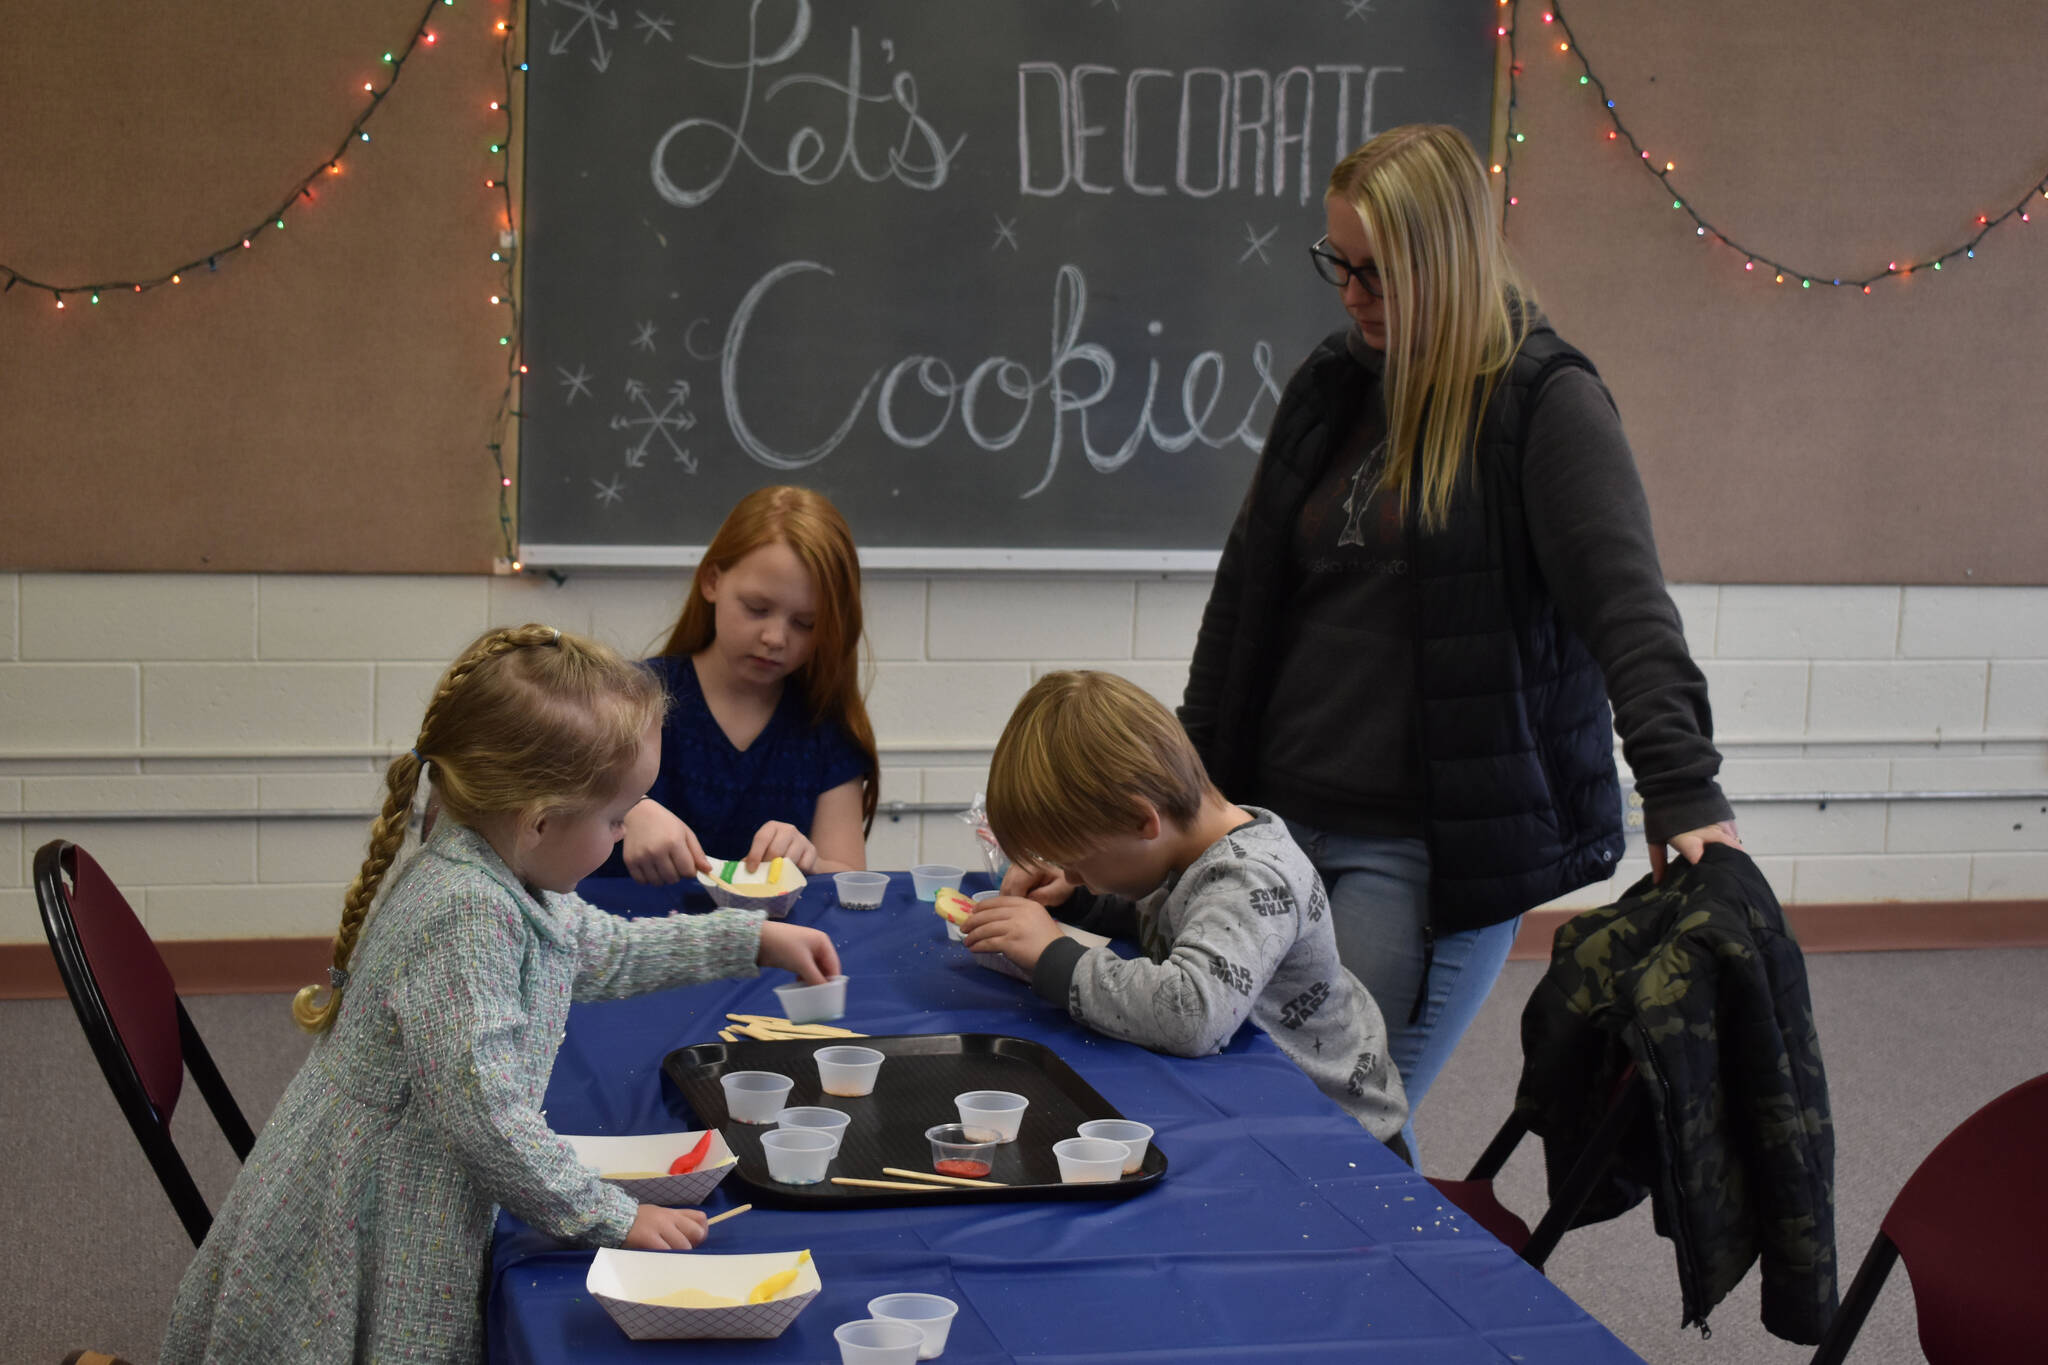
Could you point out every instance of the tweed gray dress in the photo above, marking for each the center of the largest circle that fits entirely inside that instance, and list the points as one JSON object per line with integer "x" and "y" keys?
{"x": 360, "y": 1228}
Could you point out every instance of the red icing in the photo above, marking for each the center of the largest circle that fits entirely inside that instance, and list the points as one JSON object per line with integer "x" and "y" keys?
{"x": 688, "y": 1161}
{"x": 961, "y": 1166}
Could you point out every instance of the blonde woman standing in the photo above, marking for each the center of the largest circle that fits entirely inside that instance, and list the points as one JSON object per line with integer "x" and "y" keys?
{"x": 1441, "y": 578}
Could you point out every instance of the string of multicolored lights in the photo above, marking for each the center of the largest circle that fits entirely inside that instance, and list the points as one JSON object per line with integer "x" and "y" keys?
{"x": 1568, "y": 42}
{"x": 392, "y": 65}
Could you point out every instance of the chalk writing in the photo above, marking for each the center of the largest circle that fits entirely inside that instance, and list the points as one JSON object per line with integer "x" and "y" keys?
{"x": 920, "y": 159}
{"x": 1202, "y": 387}
{"x": 1243, "y": 131}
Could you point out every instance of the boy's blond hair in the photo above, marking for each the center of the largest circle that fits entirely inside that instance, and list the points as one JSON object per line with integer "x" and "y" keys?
{"x": 1081, "y": 752}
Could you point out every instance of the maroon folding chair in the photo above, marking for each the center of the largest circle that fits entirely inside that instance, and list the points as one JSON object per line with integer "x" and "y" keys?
{"x": 133, "y": 1017}
{"x": 1972, "y": 1227}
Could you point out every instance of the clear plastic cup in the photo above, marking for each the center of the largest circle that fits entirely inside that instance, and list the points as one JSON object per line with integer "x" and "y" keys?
{"x": 872, "y": 1341}
{"x": 1090, "y": 1161}
{"x": 929, "y": 878}
{"x": 803, "y": 1004}
{"x": 860, "y": 890}
{"x": 798, "y": 1156}
{"x": 755, "y": 1096}
{"x": 996, "y": 1109}
{"x": 931, "y": 1314}
{"x": 1136, "y": 1136}
{"x": 818, "y": 1119}
{"x": 969, "y": 1153}
{"x": 847, "y": 1071}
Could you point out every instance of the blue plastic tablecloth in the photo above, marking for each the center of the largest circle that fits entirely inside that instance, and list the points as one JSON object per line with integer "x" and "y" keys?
{"x": 1282, "y": 1232}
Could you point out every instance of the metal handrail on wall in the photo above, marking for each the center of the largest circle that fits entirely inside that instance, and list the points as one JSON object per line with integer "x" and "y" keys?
{"x": 898, "y": 810}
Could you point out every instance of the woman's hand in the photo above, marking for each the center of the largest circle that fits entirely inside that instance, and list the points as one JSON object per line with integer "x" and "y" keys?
{"x": 658, "y": 1229}
{"x": 778, "y": 839}
{"x": 660, "y": 849}
{"x": 794, "y": 948}
{"x": 1046, "y": 885}
{"x": 1692, "y": 844}
{"x": 1017, "y": 928}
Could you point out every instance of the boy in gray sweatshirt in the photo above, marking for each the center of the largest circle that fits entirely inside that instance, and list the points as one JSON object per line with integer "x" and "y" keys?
{"x": 1106, "y": 812}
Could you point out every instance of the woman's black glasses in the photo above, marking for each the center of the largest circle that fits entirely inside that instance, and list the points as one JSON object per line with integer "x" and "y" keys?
{"x": 1340, "y": 272}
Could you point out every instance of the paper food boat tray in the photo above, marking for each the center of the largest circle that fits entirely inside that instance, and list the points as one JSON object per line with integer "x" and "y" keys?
{"x": 621, "y": 1281}
{"x": 656, "y": 1152}
{"x": 914, "y": 1090}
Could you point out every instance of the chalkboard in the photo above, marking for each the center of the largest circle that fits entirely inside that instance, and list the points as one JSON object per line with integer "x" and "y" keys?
{"x": 1011, "y": 281}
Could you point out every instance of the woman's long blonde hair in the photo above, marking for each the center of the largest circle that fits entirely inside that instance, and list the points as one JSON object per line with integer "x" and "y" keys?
{"x": 527, "y": 720}
{"x": 1460, "y": 310}
{"x": 812, "y": 528}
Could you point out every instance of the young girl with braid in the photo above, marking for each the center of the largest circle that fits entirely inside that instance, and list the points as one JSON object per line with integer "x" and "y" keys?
{"x": 360, "y": 1227}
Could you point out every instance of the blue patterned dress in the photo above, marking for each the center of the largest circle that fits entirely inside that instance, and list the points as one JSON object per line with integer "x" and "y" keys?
{"x": 360, "y": 1228}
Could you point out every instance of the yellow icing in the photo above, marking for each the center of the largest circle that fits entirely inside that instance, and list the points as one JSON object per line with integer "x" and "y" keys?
{"x": 779, "y": 1281}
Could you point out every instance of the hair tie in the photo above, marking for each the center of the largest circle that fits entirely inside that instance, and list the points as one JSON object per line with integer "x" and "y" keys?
{"x": 416, "y": 754}
{"x": 558, "y": 636}
{"x": 338, "y": 978}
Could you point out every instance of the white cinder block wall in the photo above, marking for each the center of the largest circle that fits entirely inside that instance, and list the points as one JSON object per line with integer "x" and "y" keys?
{"x": 256, "y": 699}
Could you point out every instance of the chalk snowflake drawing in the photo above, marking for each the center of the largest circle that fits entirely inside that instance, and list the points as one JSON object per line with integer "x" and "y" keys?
{"x": 578, "y": 384}
{"x": 643, "y": 339}
{"x": 1259, "y": 241}
{"x": 666, "y": 422}
{"x": 652, "y": 27}
{"x": 591, "y": 15}
{"x": 609, "y": 493}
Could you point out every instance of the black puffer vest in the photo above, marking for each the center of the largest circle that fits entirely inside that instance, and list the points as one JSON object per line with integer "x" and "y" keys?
{"x": 1521, "y": 799}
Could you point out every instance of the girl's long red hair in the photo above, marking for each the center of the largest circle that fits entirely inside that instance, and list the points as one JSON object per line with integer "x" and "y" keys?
{"x": 812, "y": 528}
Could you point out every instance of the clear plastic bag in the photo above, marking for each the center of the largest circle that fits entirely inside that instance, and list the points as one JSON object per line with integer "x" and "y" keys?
{"x": 993, "y": 858}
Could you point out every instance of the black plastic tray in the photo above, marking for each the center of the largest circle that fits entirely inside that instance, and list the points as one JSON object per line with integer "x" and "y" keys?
{"x": 913, "y": 1091}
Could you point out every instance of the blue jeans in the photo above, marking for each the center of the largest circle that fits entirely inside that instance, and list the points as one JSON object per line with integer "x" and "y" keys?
{"x": 1379, "y": 907}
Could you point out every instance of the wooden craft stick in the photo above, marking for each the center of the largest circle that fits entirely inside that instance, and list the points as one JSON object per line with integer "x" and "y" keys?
{"x": 879, "y": 1184}
{"x": 729, "y": 1213}
{"x": 938, "y": 1179}
{"x": 792, "y": 1033}
{"x": 776, "y": 1024}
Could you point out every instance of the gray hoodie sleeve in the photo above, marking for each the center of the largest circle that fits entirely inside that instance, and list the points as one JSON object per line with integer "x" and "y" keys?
{"x": 1589, "y": 523}
{"x": 1191, "y": 1001}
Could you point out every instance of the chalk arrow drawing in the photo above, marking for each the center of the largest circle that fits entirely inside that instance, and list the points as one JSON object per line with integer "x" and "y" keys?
{"x": 592, "y": 15}
{"x": 666, "y": 422}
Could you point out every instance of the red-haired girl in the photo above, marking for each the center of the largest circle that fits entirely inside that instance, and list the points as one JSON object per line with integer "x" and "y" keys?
{"x": 767, "y": 751}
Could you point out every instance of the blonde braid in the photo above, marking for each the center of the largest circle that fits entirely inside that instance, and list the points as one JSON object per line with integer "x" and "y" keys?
{"x": 387, "y": 835}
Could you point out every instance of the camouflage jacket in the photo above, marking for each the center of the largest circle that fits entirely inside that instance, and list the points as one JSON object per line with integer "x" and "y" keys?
{"x": 1699, "y": 983}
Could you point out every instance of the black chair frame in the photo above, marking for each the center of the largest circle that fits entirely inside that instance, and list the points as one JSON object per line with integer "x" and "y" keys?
{"x": 1628, "y": 1107}
{"x": 152, "y": 1129}
{"x": 1857, "y": 1302}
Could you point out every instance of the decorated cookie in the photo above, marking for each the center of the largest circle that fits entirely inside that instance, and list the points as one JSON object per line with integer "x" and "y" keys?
{"x": 951, "y": 906}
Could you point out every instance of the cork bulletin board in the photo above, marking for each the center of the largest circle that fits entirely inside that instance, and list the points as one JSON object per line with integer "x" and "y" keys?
{"x": 323, "y": 402}
{"x": 1818, "y": 435}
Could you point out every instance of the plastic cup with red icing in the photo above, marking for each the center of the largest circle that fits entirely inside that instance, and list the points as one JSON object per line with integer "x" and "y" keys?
{"x": 963, "y": 1152}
